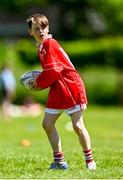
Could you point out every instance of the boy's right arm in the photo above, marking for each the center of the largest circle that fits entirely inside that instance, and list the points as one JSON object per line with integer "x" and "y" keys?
{"x": 52, "y": 67}
{"x": 48, "y": 76}
{"x": 51, "y": 64}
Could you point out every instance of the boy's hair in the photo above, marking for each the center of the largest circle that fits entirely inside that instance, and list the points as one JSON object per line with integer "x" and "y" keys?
{"x": 37, "y": 19}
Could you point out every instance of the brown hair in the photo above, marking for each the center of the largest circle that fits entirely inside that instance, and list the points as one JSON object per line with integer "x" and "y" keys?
{"x": 37, "y": 18}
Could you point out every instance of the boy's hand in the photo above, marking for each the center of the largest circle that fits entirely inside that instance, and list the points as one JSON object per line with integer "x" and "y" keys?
{"x": 33, "y": 83}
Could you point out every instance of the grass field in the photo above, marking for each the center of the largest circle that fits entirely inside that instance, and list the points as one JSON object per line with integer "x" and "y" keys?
{"x": 105, "y": 126}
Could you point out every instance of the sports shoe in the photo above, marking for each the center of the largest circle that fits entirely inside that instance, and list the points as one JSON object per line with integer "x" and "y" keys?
{"x": 61, "y": 165}
{"x": 91, "y": 165}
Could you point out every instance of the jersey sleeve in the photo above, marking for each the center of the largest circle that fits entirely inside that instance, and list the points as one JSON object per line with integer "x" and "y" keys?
{"x": 52, "y": 68}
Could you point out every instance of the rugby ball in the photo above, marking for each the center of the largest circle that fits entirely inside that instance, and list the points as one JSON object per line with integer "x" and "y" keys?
{"x": 28, "y": 78}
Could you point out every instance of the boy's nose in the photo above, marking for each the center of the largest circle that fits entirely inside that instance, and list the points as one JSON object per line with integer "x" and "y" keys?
{"x": 41, "y": 30}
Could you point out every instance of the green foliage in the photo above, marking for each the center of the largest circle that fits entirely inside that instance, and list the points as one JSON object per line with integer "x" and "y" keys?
{"x": 3, "y": 51}
{"x": 100, "y": 63}
{"x": 101, "y": 85}
{"x": 112, "y": 12}
{"x": 15, "y": 6}
{"x": 19, "y": 162}
{"x": 104, "y": 51}
{"x": 27, "y": 52}
{"x": 75, "y": 18}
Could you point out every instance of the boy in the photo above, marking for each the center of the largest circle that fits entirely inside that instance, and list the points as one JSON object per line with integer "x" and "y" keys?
{"x": 67, "y": 91}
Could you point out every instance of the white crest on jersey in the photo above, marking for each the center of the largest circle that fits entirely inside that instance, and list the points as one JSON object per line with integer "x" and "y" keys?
{"x": 43, "y": 51}
{"x": 66, "y": 56}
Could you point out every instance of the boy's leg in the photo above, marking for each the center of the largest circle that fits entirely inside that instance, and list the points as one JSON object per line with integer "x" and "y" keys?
{"x": 50, "y": 129}
{"x": 84, "y": 138}
{"x": 81, "y": 131}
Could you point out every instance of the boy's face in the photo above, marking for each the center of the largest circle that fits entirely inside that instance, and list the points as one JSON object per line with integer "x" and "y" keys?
{"x": 38, "y": 32}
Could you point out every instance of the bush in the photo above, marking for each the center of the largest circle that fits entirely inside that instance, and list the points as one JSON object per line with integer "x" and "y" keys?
{"x": 101, "y": 80}
{"x": 106, "y": 51}
{"x": 101, "y": 84}
{"x": 27, "y": 52}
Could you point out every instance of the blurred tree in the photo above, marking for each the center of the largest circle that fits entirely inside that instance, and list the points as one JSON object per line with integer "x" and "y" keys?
{"x": 89, "y": 18}
{"x": 112, "y": 12}
{"x": 15, "y": 6}
{"x": 72, "y": 19}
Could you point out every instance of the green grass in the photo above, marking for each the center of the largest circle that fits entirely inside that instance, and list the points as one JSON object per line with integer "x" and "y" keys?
{"x": 105, "y": 127}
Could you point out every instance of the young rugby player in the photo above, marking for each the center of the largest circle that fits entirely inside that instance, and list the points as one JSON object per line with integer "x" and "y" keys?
{"x": 67, "y": 91}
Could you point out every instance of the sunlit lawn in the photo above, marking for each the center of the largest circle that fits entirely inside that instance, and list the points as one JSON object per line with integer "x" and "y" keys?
{"x": 106, "y": 129}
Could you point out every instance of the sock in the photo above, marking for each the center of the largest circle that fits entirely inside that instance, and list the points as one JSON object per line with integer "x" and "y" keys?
{"x": 88, "y": 156}
{"x": 58, "y": 156}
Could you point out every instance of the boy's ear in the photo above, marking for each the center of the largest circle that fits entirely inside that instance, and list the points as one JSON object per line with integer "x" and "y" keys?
{"x": 30, "y": 32}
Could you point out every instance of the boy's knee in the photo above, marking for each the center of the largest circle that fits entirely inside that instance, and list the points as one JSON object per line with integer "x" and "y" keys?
{"x": 46, "y": 126}
{"x": 77, "y": 128}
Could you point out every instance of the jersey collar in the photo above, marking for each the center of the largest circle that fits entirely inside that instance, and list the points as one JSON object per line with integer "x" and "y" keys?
{"x": 47, "y": 37}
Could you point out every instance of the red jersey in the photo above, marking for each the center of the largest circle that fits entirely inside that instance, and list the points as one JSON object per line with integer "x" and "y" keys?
{"x": 66, "y": 87}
